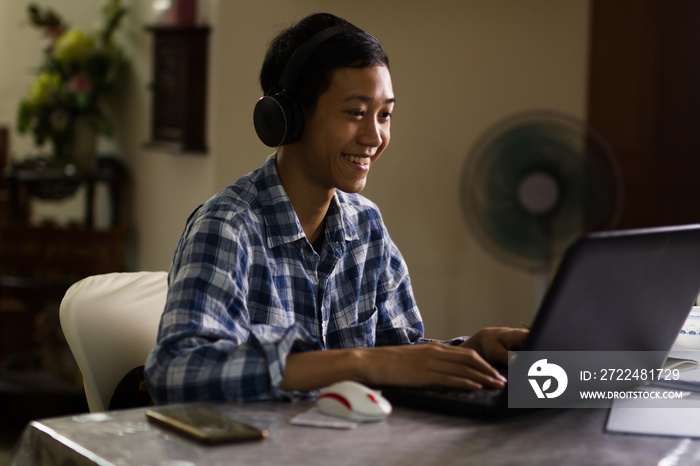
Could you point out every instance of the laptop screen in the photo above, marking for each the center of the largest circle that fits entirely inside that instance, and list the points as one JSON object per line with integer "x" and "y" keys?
{"x": 627, "y": 290}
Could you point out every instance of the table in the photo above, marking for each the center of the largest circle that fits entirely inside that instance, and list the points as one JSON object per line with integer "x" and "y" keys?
{"x": 408, "y": 437}
{"x": 33, "y": 178}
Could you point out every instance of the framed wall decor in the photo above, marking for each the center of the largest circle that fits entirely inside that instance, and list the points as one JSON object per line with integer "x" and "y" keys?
{"x": 179, "y": 88}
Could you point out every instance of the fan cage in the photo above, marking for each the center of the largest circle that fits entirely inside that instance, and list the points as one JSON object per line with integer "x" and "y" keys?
{"x": 553, "y": 144}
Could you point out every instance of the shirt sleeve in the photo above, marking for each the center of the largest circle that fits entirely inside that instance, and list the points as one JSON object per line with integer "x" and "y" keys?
{"x": 207, "y": 348}
{"x": 400, "y": 321}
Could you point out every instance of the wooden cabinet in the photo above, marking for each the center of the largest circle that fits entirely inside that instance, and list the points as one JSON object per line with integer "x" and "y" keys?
{"x": 39, "y": 262}
{"x": 644, "y": 99}
{"x": 179, "y": 87}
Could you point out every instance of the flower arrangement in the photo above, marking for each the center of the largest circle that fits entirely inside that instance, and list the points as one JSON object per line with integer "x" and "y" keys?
{"x": 79, "y": 71}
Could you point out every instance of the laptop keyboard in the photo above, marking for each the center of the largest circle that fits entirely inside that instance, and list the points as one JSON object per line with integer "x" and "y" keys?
{"x": 483, "y": 395}
{"x": 486, "y": 396}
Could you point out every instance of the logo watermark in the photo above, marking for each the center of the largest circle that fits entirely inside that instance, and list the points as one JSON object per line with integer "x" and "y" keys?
{"x": 547, "y": 372}
{"x": 592, "y": 379}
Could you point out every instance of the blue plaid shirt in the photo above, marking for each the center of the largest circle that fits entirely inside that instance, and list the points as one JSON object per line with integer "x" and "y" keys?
{"x": 246, "y": 289}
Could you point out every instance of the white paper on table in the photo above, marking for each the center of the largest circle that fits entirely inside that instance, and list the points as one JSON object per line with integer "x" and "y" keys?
{"x": 629, "y": 416}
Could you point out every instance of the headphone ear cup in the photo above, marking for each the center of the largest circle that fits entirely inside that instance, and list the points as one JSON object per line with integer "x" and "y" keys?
{"x": 278, "y": 119}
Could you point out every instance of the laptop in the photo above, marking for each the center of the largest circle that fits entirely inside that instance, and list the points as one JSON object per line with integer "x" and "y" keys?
{"x": 616, "y": 291}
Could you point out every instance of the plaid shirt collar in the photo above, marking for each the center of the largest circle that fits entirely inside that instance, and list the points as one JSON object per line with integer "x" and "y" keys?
{"x": 281, "y": 222}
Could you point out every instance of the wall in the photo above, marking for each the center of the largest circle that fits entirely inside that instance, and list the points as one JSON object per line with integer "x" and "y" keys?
{"x": 458, "y": 67}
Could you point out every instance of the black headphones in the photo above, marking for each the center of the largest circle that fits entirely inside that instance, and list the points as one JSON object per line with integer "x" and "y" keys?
{"x": 278, "y": 118}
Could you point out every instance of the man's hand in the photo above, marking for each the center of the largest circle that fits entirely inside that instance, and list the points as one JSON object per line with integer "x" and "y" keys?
{"x": 493, "y": 343}
{"x": 430, "y": 364}
{"x": 462, "y": 367}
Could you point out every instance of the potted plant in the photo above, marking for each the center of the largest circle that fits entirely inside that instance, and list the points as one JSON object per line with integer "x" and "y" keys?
{"x": 67, "y": 102}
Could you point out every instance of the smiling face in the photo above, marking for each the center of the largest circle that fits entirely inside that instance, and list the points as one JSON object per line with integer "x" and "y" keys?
{"x": 347, "y": 132}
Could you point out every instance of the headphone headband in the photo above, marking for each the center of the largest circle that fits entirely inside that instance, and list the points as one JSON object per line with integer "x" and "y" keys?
{"x": 290, "y": 76}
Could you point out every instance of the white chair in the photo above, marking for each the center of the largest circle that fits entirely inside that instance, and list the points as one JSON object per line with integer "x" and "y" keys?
{"x": 110, "y": 322}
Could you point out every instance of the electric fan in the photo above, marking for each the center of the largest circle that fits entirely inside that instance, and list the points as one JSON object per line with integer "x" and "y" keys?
{"x": 534, "y": 183}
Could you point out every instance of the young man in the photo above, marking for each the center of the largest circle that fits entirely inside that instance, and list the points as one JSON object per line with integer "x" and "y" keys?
{"x": 288, "y": 281}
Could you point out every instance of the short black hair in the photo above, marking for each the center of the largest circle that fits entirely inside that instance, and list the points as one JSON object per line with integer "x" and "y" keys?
{"x": 351, "y": 48}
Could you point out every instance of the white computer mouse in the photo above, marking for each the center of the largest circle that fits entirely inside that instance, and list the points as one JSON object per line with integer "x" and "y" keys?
{"x": 353, "y": 401}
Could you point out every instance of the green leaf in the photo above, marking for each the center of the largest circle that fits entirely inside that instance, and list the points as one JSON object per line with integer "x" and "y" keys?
{"x": 24, "y": 117}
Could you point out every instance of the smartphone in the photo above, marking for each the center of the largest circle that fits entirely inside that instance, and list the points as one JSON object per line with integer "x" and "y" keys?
{"x": 204, "y": 424}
